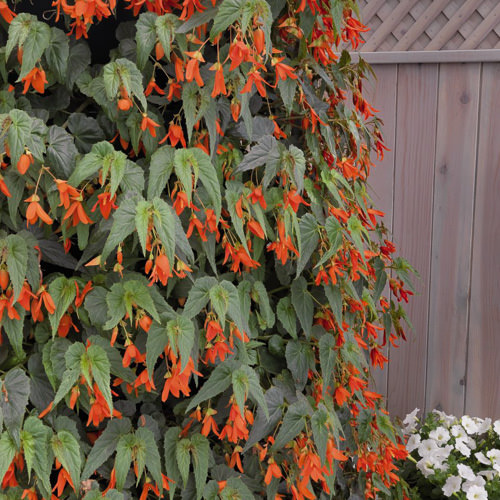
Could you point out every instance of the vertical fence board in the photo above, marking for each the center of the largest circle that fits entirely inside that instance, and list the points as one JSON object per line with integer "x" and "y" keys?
{"x": 382, "y": 95}
{"x": 458, "y": 103}
{"x": 483, "y": 393}
{"x": 415, "y": 141}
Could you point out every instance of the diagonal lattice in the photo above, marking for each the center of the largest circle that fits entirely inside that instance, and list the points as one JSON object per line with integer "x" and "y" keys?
{"x": 406, "y": 25}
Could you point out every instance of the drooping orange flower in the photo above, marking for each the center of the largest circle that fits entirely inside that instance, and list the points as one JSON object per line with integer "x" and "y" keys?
{"x": 236, "y": 425}
{"x": 35, "y": 211}
{"x": 24, "y": 162}
{"x": 6, "y": 13}
{"x": 161, "y": 270}
{"x": 283, "y": 244}
{"x": 77, "y": 212}
{"x": 174, "y": 135}
{"x": 30, "y": 494}
{"x": 219, "y": 84}
{"x": 283, "y": 71}
{"x": 189, "y": 7}
{"x": 273, "y": 470}
{"x": 238, "y": 52}
{"x": 65, "y": 325}
{"x": 106, "y": 203}
{"x": 256, "y": 228}
{"x": 36, "y": 78}
{"x": 3, "y": 187}
{"x": 193, "y": 67}
{"x": 209, "y": 423}
{"x": 152, "y": 85}
{"x": 149, "y": 124}
{"x": 99, "y": 409}
{"x": 256, "y": 196}
{"x": 254, "y": 78}
{"x": 293, "y": 199}
{"x": 65, "y": 192}
{"x": 63, "y": 478}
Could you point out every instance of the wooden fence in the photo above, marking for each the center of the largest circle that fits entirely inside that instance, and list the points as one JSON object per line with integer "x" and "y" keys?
{"x": 440, "y": 188}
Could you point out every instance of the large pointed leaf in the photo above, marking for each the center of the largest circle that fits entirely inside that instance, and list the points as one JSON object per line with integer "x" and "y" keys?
{"x": 17, "y": 262}
{"x": 200, "y": 448}
{"x": 63, "y": 292}
{"x": 67, "y": 450}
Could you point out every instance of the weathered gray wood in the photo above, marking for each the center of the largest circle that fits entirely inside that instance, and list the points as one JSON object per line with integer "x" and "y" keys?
{"x": 389, "y": 24}
{"x": 458, "y": 105}
{"x": 483, "y": 369}
{"x": 420, "y": 24}
{"x": 413, "y": 190}
{"x": 382, "y": 95}
{"x": 450, "y": 28}
{"x": 434, "y": 56}
{"x": 370, "y": 9}
{"x": 481, "y": 31}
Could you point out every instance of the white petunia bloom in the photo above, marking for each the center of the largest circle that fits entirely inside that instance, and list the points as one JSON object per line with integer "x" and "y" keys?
{"x": 483, "y": 425}
{"x": 414, "y": 442}
{"x": 494, "y": 456}
{"x": 425, "y": 466}
{"x": 497, "y": 468}
{"x": 469, "y": 425}
{"x": 496, "y": 427}
{"x": 458, "y": 431}
{"x": 440, "y": 435}
{"x": 478, "y": 481}
{"x": 482, "y": 458}
{"x": 462, "y": 447}
{"x": 448, "y": 420}
{"x": 489, "y": 474}
{"x": 477, "y": 493}
{"x": 410, "y": 422}
{"x": 427, "y": 447}
{"x": 452, "y": 485}
{"x": 466, "y": 472}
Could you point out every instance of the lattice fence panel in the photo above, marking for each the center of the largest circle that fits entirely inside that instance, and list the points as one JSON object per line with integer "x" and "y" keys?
{"x": 406, "y": 25}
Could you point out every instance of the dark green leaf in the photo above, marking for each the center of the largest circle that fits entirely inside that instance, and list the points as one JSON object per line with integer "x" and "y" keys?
{"x": 293, "y": 423}
{"x": 145, "y": 37}
{"x": 299, "y": 359}
{"x": 160, "y": 169}
{"x": 303, "y": 303}
{"x": 183, "y": 458}
{"x": 17, "y": 262}
{"x": 63, "y": 292}
{"x": 57, "y": 53}
{"x": 61, "y": 152}
{"x": 7, "y": 453}
{"x": 67, "y": 451}
{"x": 200, "y": 448}
{"x": 309, "y": 237}
{"x": 123, "y": 458}
{"x": 327, "y": 358}
{"x": 286, "y": 314}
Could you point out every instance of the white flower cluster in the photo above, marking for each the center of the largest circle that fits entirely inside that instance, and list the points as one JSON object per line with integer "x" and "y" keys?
{"x": 461, "y": 455}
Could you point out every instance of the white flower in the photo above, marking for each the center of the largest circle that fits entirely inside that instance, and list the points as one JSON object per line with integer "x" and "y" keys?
{"x": 494, "y": 456}
{"x": 469, "y": 425}
{"x": 462, "y": 448}
{"x": 427, "y": 448}
{"x": 414, "y": 442}
{"x": 458, "y": 431}
{"x": 477, "y": 493}
{"x": 445, "y": 419}
{"x": 482, "y": 458}
{"x": 410, "y": 422}
{"x": 496, "y": 427}
{"x": 440, "y": 435}
{"x": 482, "y": 425}
{"x": 497, "y": 468}
{"x": 425, "y": 467}
{"x": 466, "y": 472}
{"x": 478, "y": 481}
{"x": 452, "y": 485}
{"x": 488, "y": 474}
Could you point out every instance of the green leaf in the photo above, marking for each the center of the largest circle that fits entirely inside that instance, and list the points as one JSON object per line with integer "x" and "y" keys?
{"x": 61, "y": 152}
{"x": 265, "y": 424}
{"x": 100, "y": 368}
{"x": 115, "y": 299}
{"x": 286, "y": 314}
{"x": 183, "y": 458}
{"x": 309, "y": 238}
{"x": 208, "y": 177}
{"x": 220, "y": 379}
{"x": 200, "y": 448}
{"x": 303, "y": 303}
{"x": 198, "y": 296}
{"x": 299, "y": 360}
{"x": 385, "y": 426}
{"x": 89, "y": 165}
{"x": 145, "y": 37}
{"x": 15, "y": 391}
{"x": 18, "y": 134}
{"x": 63, "y": 292}
{"x": 17, "y": 262}
{"x": 7, "y": 453}
{"x": 67, "y": 450}
{"x": 79, "y": 59}
{"x": 219, "y": 297}
{"x": 152, "y": 455}
{"x": 86, "y": 131}
{"x": 95, "y": 305}
{"x": 123, "y": 225}
{"x": 170, "y": 441}
{"x": 164, "y": 222}
{"x": 137, "y": 293}
{"x": 327, "y": 358}
{"x": 184, "y": 161}
{"x": 105, "y": 445}
{"x": 334, "y": 296}
{"x": 287, "y": 90}
{"x": 319, "y": 427}
{"x": 19, "y": 30}
{"x": 57, "y": 53}
{"x": 36, "y": 42}
{"x": 264, "y": 151}
{"x": 165, "y": 29}
{"x": 142, "y": 215}
{"x": 293, "y": 423}
{"x": 35, "y": 439}
{"x": 264, "y": 306}
{"x": 14, "y": 328}
{"x": 123, "y": 72}
{"x": 68, "y": 381}
{"x": 229, "y": 11}
{"x": 298, "y": 160}
{"x": 156, "y": 342}
{"x": 180, "y": 332}
{"x": 123, "y": 458}
{"x": 160, "y": 169}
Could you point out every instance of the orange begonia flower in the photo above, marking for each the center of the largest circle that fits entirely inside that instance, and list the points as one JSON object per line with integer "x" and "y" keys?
{"x": 35, "y": 211}
{"x": 150, "y": 124}
{"x": 219, "y": 84}
{"x": 36, "y": 78}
